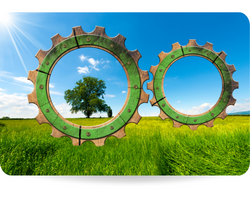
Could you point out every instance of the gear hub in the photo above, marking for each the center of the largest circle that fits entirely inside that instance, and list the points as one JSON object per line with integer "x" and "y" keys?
{"x": 80, "y": 39}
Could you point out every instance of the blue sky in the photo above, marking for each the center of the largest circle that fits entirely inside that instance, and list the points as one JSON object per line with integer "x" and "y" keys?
{"x": 192, "y": 85}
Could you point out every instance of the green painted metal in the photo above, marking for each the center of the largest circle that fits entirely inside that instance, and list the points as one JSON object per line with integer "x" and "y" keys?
{"x": 195, "y": 51}
{"x": 66, "y": 128}
{"x": 98, "y": 42}
{"x": 104, "y": 130}
{"x": 49, "y": 112}
{"x": 131, "y": 105}
{"x": 199, "y": 51}
{"x": 58, "y": 50}
{"x": 41, "y": 93}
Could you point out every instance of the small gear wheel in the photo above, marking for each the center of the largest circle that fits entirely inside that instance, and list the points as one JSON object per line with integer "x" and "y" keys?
{"x": 192, "y": 49}
{"x": 80, "y": 39}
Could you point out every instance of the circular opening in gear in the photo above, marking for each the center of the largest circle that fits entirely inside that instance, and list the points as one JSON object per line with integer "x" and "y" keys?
{"x": 88, "y": 62}
{"x": 192, "y": 85}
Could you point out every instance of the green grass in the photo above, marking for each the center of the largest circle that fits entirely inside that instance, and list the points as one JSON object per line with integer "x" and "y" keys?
{"x": 153, "y": 147}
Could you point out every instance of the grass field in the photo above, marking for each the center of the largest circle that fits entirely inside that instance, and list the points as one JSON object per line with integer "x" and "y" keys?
{"x": 153, "y": 147}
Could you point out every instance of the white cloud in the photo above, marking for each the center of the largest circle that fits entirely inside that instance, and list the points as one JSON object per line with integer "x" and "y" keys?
{"x": 95, "y": 68}
{"x": 1, "y": 90}
{"x": 106, "y": 66}
{"x": 200, "y": 109}
{"x": 109, "y": 95}
{"x": 56, "y": 93}
{"x": 22, "y": 80}
{"x": 5, "y": 74}
{"x": 27, "y": 88}
{"x": 123, "y": 92}
{"x": 93, "y": 62}
{"x": 247, "y": 99}
{"x": 82, "y": 57}
{"x": 51, "y": 85}
{"x": 16, "y": 106}
{"x": 83, "y": 70}
{"x": 206, "y": 106}
{"x": 64, "y": 110}
{"x": 16, "y": 79}
{"x": 238, "y": 107}
{"x": 178, "y": 101}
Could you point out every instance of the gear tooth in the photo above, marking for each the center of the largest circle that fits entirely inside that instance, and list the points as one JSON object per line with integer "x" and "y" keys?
{"x": 40, "y": 55}
{"x": 143, "y": 98}
{"x": 82, "y": 141}
{"x": 135, "y": 118}
{"x": 32, "y": 97}
{"x": 56, "y": 39}
{"x": 120, "y": 133}
{"x": 119, "y": 39}
{"x": 40, "y": 118}
{"x": 162, "y": 55}
{"x": 78, "y": 30}
{"x": 143, "y": 75}
{"x": 232, "y": 100}
{"x": 192, "y": 43}
{"x": 231, "y": 68}
{"x": 153, "y": 100}
{"x": 150, "y": 85}
{"x": 162, "y": 115}
{"x": 32, "y": 76}
{"x": 235, "y": 85}
{"x": 176, "y": 46}
{"x": 208, "y": 46}
{"x": 153, "y": 69}
{"x": 223, "y": 114}
{"x": 193, "y": 127}
{"x": 56, "y": 133}
{"x": 75, "y": 141}
{"x": 135, "y": 55}
{"x": 100, "y": 31}
{"x": 209, "y": 123}
{"x": 223, "y": 55}
{"x": 99, "y": 142}
{"x": 177, "y": 124}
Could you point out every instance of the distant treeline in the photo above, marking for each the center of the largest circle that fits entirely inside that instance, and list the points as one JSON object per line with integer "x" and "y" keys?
{"x": 238, "y": 115}
{"x": 8, "y": 118}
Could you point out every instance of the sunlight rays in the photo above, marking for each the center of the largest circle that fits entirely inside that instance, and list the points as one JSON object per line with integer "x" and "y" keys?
{"x": 16, "y": 34}
{"x": 17, "y": 50}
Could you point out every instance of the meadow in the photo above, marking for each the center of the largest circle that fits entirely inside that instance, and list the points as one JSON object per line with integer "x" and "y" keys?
{"x": 153, "y": 147}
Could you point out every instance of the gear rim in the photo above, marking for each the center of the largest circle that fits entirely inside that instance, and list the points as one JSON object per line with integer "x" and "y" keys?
{"x": 192, "y": 49}
{"x": 79, "y": 39}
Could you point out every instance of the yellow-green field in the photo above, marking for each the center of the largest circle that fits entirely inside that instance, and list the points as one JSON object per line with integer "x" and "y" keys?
{"x": 153, "y": 147}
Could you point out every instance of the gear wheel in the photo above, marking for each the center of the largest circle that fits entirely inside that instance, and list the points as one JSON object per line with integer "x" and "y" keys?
{"x": 178, "y": 52}
{"x": 96, "y": 39}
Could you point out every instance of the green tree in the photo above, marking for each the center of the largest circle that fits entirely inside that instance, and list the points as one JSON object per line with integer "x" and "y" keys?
{"x": 109, "y": 112}
{"x": 87, "y": 96}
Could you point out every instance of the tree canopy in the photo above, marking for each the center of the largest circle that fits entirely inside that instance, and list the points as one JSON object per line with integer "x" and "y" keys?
{"x": 87, "y": 96}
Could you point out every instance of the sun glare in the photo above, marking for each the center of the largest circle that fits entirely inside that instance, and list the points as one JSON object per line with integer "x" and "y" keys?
{"x": 5, "y": 18}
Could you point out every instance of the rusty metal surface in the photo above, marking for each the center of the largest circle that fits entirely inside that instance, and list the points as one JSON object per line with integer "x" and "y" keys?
{"x": 80, "y": 39}
{"x": 192, "y": 49}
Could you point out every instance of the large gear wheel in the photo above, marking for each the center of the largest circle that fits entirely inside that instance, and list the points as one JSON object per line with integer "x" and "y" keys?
{"x": 192, "y": 49}
{"x": 96, "y": 39}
